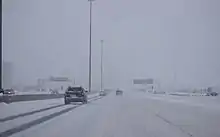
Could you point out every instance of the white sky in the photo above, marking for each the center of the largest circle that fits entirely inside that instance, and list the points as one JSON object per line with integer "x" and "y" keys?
{"x": 142, "y": 38}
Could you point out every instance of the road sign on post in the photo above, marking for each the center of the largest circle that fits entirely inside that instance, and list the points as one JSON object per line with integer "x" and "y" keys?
{"x": 59, "y": 79}
{"x": 143, "y": 81}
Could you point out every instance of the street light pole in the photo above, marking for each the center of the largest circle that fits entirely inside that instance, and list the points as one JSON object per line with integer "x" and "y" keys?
{"x": 90, "y": 45}
{"x": 102, "y": 64}
{"x": 1, "y": 77}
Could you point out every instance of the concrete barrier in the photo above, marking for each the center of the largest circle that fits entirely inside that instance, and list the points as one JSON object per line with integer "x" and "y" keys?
{"x": 30, "y": 97}
{"x": 18, "y": 98}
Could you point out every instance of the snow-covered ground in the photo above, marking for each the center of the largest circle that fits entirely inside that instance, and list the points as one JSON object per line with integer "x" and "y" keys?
{"x": 135, "y": 114}
{"x": 186, "y": 94}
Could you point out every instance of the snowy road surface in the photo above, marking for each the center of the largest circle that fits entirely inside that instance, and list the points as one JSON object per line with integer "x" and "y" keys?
{"x": 134, "y": 114}
{"x": 17, "y": 108}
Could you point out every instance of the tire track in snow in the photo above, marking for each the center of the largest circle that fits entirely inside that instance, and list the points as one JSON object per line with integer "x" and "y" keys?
{"x": 28, "y": 125}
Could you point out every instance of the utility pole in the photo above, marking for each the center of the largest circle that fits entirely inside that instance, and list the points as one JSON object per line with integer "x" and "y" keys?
{"x": 102, "y": 64}
{"x": 90, "y": 44}
{"x": 1, "y": 77}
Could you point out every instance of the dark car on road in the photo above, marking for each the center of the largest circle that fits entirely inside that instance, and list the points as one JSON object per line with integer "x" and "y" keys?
{"x": 9, "y": 92}
{"x": 8, "y": 95}
{"x": 119, "y": 92}
{"x": 75, "y": 94}
{"x": 102, "y": 93}
{"x": 2, "y": 91}
{"x": 212, "y": 94}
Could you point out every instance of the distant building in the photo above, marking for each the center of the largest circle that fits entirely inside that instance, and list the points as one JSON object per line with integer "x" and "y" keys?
{"x": 7, "y": 80}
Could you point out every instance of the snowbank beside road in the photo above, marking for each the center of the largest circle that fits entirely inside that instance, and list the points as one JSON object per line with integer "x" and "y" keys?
{"x": 212, "y": 102}
{"x": 187, "y": 94}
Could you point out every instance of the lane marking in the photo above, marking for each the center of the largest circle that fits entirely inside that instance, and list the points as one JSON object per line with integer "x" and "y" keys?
{"x": 174, "y": 125}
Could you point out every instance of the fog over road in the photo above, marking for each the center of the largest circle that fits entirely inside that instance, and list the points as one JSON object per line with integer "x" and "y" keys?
{"x": 135, "y": 114}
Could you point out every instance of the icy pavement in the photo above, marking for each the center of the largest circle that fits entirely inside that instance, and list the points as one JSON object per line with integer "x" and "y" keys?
{"x": 133, "y": 115}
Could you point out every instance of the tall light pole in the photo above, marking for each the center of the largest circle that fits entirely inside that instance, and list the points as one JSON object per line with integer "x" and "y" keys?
{"x": 102, "y": 64}
{"x": 1, "y": 78}
{"x": 90, "y": 45}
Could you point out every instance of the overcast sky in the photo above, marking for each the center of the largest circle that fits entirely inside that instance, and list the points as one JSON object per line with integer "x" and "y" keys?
{"x": 176, "y": 42}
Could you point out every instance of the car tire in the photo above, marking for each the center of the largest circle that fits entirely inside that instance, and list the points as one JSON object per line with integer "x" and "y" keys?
{"x": 66, "y": 102}
{"x": 85, "y": 102}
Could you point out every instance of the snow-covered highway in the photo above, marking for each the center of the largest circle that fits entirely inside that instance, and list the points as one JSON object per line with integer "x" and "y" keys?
{"x": 135, "y": 114}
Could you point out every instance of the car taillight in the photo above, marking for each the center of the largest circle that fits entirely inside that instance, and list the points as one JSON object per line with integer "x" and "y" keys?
{"x": 67, "y": 95}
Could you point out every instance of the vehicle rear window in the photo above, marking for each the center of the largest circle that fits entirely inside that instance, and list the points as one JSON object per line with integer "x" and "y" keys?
{"x": 74, "y": 89}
